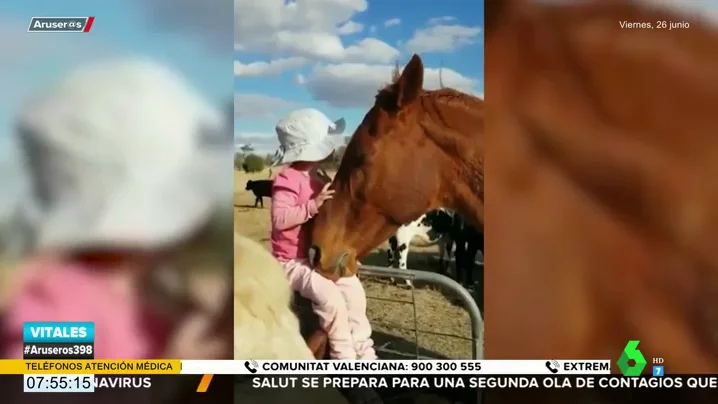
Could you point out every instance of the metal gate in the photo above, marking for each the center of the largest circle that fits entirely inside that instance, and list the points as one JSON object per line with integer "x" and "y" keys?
{"x": 477, "y": 322}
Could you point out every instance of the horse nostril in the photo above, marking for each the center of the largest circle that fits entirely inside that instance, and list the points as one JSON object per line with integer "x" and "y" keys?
{"x": 315, "y": 255}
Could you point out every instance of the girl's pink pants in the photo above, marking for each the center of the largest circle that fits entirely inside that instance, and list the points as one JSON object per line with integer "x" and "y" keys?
{"x": 341, "y": 308}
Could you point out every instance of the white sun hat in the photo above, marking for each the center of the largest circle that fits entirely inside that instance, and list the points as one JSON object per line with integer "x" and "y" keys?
{"x": 307, "y": 135}
{"x": 124, "y": 155}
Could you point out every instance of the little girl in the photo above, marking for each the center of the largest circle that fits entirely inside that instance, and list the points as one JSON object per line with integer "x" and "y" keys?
{"x": 297, "y": 194}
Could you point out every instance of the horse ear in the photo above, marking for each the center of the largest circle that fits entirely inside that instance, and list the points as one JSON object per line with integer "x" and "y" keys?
{"x": 411, "y": 82}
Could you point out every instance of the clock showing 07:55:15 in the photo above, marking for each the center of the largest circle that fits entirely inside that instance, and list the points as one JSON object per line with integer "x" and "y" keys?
{"x": 59, "y": 384}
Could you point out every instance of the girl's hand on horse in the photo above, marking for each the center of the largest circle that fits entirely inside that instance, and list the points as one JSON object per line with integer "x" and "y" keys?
{"x": 325, "y": 195}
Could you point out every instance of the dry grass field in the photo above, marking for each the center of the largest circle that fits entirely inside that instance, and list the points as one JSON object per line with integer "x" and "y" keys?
{"x": 393, "y": 322}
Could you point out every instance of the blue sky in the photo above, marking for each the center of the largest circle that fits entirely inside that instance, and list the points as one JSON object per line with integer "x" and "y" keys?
{"x": 334, "y": 55}
{"x": 153, "y": 28}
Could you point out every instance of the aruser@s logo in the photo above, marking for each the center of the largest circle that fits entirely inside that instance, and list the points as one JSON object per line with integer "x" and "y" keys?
{"x": 631, "y": 353}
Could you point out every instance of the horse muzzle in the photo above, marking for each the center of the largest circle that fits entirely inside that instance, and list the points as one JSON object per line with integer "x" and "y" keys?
{"x": 340, "y": 269}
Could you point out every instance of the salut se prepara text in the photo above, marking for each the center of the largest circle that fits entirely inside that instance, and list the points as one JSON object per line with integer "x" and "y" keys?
{"x": 417, "y": 382}
{"x": 347, "y": 382}
{"x": 481, "y": 382}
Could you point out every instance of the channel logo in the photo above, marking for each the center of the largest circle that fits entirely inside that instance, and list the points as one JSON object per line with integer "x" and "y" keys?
{"x": 632, "y": 353}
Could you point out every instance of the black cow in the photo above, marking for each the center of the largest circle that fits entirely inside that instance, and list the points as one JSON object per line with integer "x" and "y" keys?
{"x": 468, "y": 241}
{"x": 261, "y": 189}
{"x": 456, "y": 233}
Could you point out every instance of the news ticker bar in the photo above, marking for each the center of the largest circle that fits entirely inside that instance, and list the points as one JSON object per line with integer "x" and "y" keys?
{"x": 316, "y": 367}
{"x": 61, "y": 24}
{"x": 59, "y": 350}
{"x": 91, "y": 383}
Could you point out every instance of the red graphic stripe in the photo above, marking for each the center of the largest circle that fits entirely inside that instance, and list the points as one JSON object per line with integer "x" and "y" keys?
{"x": 88, "y": 26}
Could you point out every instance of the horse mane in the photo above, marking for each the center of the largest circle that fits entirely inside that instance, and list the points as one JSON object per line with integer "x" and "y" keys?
{"x": 446, "y": 96}
{"x": 467, "y": 145}
{"x": 450, "y": 97}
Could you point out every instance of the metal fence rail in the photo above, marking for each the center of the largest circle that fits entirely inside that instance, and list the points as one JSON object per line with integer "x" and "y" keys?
{"x": 477, "y": 322}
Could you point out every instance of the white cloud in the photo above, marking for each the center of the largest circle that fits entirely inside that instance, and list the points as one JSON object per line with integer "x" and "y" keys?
{"x": 271, "y": 68}
{"x": 301, "y": 28}
{"x": 441, "y": 20}
{"x": 381, "y": 52}
{"x": 350, "y": 27}
{"x": 259, "y": 106}
{"x": 442, "y": 38}
{"x": 392, "y": 22}
{"x": 300, "y": 79}
{"x": 349, "y": 85}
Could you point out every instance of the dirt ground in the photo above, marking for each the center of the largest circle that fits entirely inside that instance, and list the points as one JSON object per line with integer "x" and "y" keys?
{"x": 436, "y": 311}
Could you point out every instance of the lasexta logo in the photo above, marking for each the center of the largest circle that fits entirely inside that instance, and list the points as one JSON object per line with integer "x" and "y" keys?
{"x": 631, "y": 353}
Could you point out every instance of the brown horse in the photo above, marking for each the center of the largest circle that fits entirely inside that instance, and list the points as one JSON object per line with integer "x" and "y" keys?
{"x": 603, "y": 188}
{"x": 414, "y": 151}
